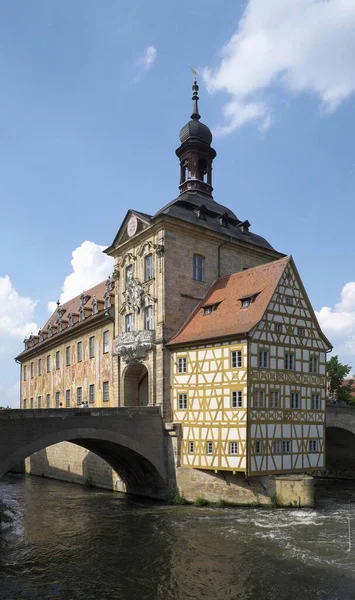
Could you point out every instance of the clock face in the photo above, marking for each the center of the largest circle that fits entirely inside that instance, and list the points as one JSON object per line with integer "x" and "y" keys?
{"x": 132, "y": 226}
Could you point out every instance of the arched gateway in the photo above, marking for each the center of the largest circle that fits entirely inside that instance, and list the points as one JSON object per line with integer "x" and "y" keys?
{"x": 136, "y": 385}
{"x": 130, "y": 440}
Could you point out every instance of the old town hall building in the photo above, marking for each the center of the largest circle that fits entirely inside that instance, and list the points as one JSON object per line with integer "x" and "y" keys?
{"x": 206, "y": 320}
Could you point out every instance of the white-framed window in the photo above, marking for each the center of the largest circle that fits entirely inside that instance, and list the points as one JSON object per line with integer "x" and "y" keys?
{"x": 289, "y": 300}
{"x": 300, "y": 331}
{"x": 105, "y": 391}
{"x": 209, "y": 447}
{"x": 259, "y": 399}
{"x": 236, "y": 359}
{"x": 182, "y": 364}
{"x": 57, "y": 399}
{"x": 48, "y": 400}
{"x": 92, "y": 393}
{"x": 92, "y": 346}
{"x": 57, "y": 359}
{"x": 315, "y": 402}
{"x": 277, "y": 327}
{"x": 48, "y": 360}
{"x": 313, "y": 445}
{"x": 25, "y": 373}
{"x": 148, "y": 267}
{"x": 295, "y": 400}
{"x": 79, "y": 395}
{"x": 79, "y": 351}
{"x": 258, "y": 446}
{"x": 39, "y": 366}
{"x": 289, "y": 362}
{"x": 263, "y": 359}
{"x": 67, "y": 398}
{"x": 105, "y": 341}
{"x": 182, "y": 401}
{"x": 274, "y": 399}
{"x": 237, "y": 399}
{"x": 233, "y": 448}
{"x": 129, "y": 272}
{"x": 191, "y": 447}
{"x": 276, "y": 447}
{"x": 67, "y": 356}
{"x": 32, "y": 404}
{"x": 198, "y": 267}
{"x": 32, "y": 369}
{"x": 129, "y": 322}
{"x": 286, "y": 446}
{"x": 313, "y": 364}
{"x": 39, "y": 402}
{"x": 148, "y": 318}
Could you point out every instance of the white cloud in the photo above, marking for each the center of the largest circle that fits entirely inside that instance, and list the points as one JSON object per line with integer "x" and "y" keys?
{"x": 16, "y": 312}
{"x": 338, "y": 323}
{"x": 303, "y": 45}
{"x": 148, "y": 58}
{"x": 89, "y": 267}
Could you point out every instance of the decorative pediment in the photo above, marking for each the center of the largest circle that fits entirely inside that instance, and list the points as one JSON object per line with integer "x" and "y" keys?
{"x": 133, "y": 223}
{"x": 148, "y": 247}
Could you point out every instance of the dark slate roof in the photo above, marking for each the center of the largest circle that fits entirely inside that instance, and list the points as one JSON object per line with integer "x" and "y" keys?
{"x": 186, "y": 206}
{"x": 195, "y": 129}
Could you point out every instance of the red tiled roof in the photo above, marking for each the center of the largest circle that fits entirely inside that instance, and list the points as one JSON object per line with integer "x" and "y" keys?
{"x": 73, "y": 305}
{"x": 229, "y": 318}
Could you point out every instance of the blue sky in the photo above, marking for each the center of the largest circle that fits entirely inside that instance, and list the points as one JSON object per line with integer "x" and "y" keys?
{"x": 89, "y": 123}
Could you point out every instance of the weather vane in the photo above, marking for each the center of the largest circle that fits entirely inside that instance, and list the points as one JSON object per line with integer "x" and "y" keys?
{"x": 194, "y": 73}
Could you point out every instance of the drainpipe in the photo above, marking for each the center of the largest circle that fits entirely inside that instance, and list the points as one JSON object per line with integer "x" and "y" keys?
{"x": 20, "y": 363}
{"x": 219, "y": 256}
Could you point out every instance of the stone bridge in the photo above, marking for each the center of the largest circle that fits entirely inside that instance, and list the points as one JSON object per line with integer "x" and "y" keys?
{"x": 340, "y": 441}
{"x": 131, "y": 440}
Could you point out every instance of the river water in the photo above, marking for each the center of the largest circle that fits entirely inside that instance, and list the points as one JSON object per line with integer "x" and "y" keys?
{"x": 72, "y": 543}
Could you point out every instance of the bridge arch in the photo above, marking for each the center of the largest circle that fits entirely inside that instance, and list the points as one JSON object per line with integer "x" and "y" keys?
{"x": 140, "y": 465}
{"x": 340, "y": 442}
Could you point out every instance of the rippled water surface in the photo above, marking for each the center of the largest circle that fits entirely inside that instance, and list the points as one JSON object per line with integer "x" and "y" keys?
{"x": 71, "y": 543}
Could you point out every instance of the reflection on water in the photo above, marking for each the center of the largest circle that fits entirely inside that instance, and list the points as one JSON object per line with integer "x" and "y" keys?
{"x": 71, "y": 543}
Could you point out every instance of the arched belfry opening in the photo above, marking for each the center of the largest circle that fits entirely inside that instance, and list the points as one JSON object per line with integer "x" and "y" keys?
{"x": 136, "y": 385}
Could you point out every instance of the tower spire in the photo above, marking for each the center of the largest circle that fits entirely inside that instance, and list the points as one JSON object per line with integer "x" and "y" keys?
{"x": 195, "y": 114}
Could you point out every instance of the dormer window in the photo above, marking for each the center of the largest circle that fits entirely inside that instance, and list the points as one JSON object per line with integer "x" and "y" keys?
{"x": 244, "y": 227}
{"x": 200, "y": 212}
{"x": 208, "y": 310}
{"x": 95, "y": 308}
{"x": 107, "y": 304}
{"x": 246, "y": 302}
{"x": 223, "y": 220}
{"x": 70, "y": 319}
{"x": 81, "y": 314}
{"x": 50, "y": 331}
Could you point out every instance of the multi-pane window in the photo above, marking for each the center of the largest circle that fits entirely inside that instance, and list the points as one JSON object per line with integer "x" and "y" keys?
{"x": 277, "y": 327}
{"x": 289, "y": 362}
{"x": 48, "y": 400}
{"x": 92, "y": 346}
{"x": 105, "y": 391}
{"x": 315, "y": 402}
{"x": 32, "y": 370}
{"x": 263, "y": 359}
{"x": 274, "y": 399}
{"x": 277, "y": 447}
{"x": 236, "y": 359}
{"x": 67, "y": 356}
{"x": 129, "y": 272}
{"x": 148, "y": 318}
{"x": 57, "y": 399}
{"x": 92, "y": 393}
{"x": 129, "y": 322}
{"x": 257, "y": 446}
{"x": 57, "y": 360}
{"x": 313, "y": 445}
{"x": 199, "y": 267}
{"x": 295, "y": 400}
{"x": 39, "y": 366}
{"x": 259, "y": 399}
{"x": 148, "y": 267}
{"x": 39, "y": 402}
{"x": 106, "y": 342}
{"x": 182, "y": 401}
{"x": 286, "y": 446}
{"x": 32, "y": 403}
{"x": 25, "y": 373}
{"x": 79, "y": 395}
{"x": 233, "y": 448}
{"x": 67, "y": 398}
{"x": 289, "y": 300}
{"x": 191, "y": 448}
{"x": 182, "y": 365}
{"x": 209, "y": 447}
{"x": 313, "y": 364}
{"x": 300, "y": 331}
{"x": 237, "y": 399}
{"x": 48, "y": 363}
{"x": 79, "y": 351}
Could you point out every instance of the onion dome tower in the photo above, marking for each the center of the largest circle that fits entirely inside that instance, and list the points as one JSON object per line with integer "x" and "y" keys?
{"x": 195, "y": 152}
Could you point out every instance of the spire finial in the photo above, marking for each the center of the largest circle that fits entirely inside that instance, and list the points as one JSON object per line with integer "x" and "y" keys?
{"x": 195, "y": 114}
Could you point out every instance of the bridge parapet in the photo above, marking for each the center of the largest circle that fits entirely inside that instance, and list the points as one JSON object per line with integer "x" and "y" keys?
{"x": 38, "y": 413}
